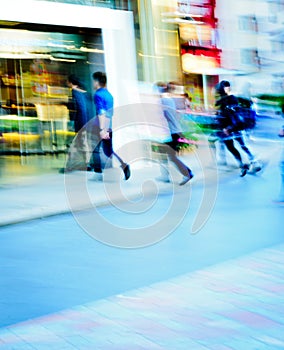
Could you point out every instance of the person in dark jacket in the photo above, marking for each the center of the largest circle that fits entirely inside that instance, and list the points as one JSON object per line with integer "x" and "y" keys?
{"x": 80, "y": 112}
{"x": 79, "y": 104}
{"x": 227, "y": 129}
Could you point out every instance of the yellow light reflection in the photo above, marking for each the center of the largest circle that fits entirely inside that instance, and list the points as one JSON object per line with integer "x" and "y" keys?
{"x": 197, "y": 64}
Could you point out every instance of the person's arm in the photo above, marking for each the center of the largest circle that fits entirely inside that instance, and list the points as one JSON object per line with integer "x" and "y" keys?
{"x": 104, "y": 121}
{"x": 104, "y": 127}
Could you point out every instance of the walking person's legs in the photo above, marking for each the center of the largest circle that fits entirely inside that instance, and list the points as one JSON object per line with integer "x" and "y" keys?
{"x": 213, "y": 139}
{"x": 241, "y": 141}
{"x": 96, "y": 159}
{"x": 183, "y": 169}
{"x": 164, "y": 164}
{"x": 254, "y": 166}
{"x": 109, "y": 152}
{"x": 222, "y": 153}
{"x": 231, "y": 147}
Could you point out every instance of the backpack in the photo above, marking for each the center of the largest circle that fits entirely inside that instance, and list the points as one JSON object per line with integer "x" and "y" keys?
{"x": 242, "y": 115}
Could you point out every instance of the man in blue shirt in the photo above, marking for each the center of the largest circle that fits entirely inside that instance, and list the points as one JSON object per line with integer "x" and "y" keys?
{"x": 103, "y": 124}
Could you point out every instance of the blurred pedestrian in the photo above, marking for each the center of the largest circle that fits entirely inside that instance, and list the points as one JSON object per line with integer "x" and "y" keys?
{"x": 103, "y": 126}
{"x": 79, "y": 104}
{"x": 227, "y": 130}
{"x": 187, "y": 102}
{"x": 80, "y": 112}
{"x": 169, "y": 112}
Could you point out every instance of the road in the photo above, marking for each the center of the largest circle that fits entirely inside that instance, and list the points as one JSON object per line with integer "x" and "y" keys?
{"x": 52, "y": 264}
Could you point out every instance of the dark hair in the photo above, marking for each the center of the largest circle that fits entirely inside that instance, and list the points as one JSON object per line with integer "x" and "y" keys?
{"x": 225, "y": 83}
{"x": 73, "y": 79}
{"x": 100, "y": 77}
{"x": 220, "y": 87}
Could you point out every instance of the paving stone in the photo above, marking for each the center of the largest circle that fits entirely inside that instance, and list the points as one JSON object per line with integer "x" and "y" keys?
{"x": 196, "y": 311}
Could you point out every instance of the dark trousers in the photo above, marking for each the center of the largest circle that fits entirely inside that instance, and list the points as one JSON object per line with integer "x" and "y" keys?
{"x": 231, "y": 148}
{"x": 106, "y": 147}
{"x": 172, "y": 155}
{"x": 228, "y": 142}
{"x": 239, "y": 138}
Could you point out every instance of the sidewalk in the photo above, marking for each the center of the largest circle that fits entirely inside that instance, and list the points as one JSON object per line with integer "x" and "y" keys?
{"x": 235, "y": 305}
{"x": 45, "y": 195}
{"x": 38, "y": 196}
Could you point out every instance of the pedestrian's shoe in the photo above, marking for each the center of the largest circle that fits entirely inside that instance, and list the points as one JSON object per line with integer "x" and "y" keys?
{"x": 126, "y": 170}
{"x": 244, "y": 170}
{"x": 255, "y": 167}
{"x": 186, "y": 178}
{"x": 89, "y": 168}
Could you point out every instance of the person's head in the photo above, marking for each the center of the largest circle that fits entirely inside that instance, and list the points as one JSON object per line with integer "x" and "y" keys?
{"x": 161, "y": 87}
{"x": 73, "y": 81}
{"x": 100, "y": 80}
{"x": 223, "y": 88}
{"x": 171, "y": 86}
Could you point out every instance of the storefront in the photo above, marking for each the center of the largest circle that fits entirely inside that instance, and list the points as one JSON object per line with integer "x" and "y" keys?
{"x": 40, "y": 46}
{"x": 34, "y": 68}
{"x": 200, "y": 54}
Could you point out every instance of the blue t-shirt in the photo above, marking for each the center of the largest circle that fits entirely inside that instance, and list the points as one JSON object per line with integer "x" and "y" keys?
{"x": 104, "y": 104}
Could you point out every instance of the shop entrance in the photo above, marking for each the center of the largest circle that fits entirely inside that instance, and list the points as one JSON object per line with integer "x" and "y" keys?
{"x": 35, "y": 115}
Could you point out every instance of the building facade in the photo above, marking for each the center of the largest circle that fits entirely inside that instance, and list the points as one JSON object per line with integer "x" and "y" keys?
{"x": 193, "y": 43}
{"x": 241, "y": 41}
{"x": 41, "y": 44}
{"x": 251, "y": 37}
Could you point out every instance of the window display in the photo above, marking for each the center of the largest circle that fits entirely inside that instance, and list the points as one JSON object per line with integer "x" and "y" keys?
{"x": 35, "y": 62}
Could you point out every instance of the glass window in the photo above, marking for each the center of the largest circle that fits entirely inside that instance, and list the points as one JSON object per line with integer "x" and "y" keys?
{"x": 115, "y": 4}
{"x": 35, "y": 62}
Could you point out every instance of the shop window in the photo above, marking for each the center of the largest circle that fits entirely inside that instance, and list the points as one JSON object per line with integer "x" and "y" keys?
{"x": 35, "y": 62}
{"x": 115, "y": 4}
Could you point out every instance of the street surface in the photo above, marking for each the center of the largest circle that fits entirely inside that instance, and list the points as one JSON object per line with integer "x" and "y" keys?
{"x": 51, "y": 264}
{"x": 219, "y": 287}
